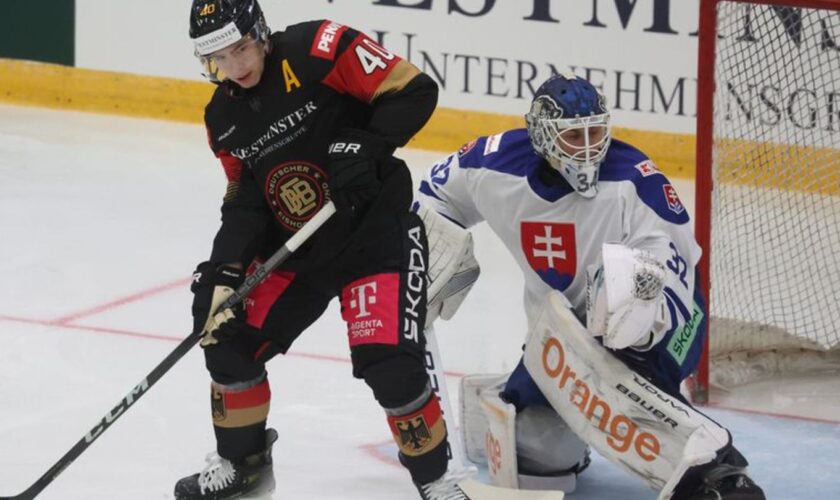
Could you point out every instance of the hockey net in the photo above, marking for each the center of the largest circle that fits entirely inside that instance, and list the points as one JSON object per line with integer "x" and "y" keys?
{"x": 768, "y": 187}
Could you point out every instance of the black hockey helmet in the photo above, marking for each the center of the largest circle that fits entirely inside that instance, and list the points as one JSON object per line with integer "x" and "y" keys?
{"x": 216, "y": 24}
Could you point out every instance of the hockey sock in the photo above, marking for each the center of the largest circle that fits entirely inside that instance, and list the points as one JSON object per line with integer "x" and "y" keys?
{"x": 420, "y": 434}
{"x": 239, "y": 418}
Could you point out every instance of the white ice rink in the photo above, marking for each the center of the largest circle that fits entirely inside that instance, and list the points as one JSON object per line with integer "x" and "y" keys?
{"x": 103, "y": 218}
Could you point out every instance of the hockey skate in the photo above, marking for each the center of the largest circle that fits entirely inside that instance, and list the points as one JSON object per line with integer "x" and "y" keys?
{"x": 222, "y": 480}
{"x": 445, "y": 488}
{"x": 727, "y": 482}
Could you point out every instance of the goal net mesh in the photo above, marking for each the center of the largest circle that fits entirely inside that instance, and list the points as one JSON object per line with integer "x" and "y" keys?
{"x": 775, "y": 220}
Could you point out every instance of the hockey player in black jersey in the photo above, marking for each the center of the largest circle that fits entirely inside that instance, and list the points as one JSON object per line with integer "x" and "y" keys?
{"x": 301, "y": 117}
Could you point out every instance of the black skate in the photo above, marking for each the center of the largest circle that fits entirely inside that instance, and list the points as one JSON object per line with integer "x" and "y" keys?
{"x": 444, "y": 488}
{"x": 223, "y": 480}
{"x": 727, "y": 482}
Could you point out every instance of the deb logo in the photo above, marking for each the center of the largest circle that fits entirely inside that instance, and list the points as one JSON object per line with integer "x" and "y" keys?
{"x": 674, "y": 203}
{"x": 551, "y": 251}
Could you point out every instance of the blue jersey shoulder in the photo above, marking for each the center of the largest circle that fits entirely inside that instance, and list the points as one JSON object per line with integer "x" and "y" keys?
{"x": 511, "y": 153}
{"x": 626, "y": 163}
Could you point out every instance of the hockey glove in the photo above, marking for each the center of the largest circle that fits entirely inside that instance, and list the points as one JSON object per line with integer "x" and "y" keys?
{"x": 353, "y": 158}
{"x": 452, "y": 265}
{"x": 211, "y": 286}
{"x": 624, "y": 299}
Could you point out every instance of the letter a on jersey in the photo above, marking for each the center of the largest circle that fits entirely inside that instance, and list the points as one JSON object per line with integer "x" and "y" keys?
{"x": 551, "y": 251}
{"x": 289, "y": 76}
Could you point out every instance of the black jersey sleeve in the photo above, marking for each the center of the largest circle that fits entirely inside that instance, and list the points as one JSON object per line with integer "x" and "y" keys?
{"x": 244, "y": 212}
{"x": 351, "y": 63}
{"x": 400, "y": 114}
{"x": 245, "y": 218}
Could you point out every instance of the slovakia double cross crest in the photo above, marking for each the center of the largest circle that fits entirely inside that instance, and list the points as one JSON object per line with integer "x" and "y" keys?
{"x": 551, "y": 251}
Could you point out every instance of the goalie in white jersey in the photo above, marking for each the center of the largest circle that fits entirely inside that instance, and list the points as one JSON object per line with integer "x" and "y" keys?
{"x": 592, "y": 218}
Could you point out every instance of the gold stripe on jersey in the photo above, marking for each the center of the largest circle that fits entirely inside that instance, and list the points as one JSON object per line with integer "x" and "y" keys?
{"x": 232, "y": 189}
{"x": 241, "y": 417}
{"x": 397, "y": 79}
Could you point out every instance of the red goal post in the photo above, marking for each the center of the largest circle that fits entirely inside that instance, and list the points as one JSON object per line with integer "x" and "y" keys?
{"x": 767, "y": 211}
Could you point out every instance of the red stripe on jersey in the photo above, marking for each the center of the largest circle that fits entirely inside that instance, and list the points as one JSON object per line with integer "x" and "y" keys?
{"x": 231, "y": 164}
{"x": 326, "y": 40}
{"x": 259, "y": 302}
{"x": 361, "y": 69}
{"x": 265, "y": 345}
{"x": 250, "y": 398}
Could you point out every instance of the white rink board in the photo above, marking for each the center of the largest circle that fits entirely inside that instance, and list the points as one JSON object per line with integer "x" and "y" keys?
{"x": 484, "y": 51}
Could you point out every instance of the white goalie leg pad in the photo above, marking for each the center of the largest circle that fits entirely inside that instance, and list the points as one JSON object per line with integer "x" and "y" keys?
{"x": 495, "y": 435}
{"x": 548, "y": 453}
{"x": 452, "y": 265}
{"x": 473, "y": 418}
{"x": 624, "y": 299}
{"x": 619, "y": 413}
{"x": 500, "y": 440}
{"x": 474, "y": 430}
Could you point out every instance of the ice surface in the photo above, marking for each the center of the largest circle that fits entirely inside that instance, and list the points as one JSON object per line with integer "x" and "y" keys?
{"x": 103, "y": 218}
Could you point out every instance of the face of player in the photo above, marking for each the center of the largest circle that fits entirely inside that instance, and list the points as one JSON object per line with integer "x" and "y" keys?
{"x": 242, "y": 63}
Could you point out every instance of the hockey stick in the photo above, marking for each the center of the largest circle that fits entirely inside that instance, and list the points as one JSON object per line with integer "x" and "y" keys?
{"x": 434, "y": 367}
{"x": 474, "y": 489}
{"x": 160, "y": 370}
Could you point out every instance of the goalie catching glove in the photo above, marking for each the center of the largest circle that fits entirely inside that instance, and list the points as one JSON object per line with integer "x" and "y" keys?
{"x": 211, "y": 286}
{"x": 625, "y": 303}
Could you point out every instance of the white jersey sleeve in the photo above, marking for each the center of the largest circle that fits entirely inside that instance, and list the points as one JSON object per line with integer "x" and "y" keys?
{"x": 449, "y": 190}
{"x": 672, "y": 242}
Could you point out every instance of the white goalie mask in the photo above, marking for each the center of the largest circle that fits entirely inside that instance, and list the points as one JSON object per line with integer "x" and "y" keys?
{"x": 569, "y": 126}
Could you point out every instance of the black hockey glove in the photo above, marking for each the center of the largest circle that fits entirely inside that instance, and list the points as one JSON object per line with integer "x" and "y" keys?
{"x": 211, "y": 286}
{"x": 353, "y": 158}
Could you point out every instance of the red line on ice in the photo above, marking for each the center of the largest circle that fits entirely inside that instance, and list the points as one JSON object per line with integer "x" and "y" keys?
{"x": 122, "y": 301}
{"x": 66, "y": 322}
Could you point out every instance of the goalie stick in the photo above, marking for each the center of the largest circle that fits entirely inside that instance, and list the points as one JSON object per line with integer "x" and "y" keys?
{"x": 164, "y": 366}
{"x": 474, "y": 489}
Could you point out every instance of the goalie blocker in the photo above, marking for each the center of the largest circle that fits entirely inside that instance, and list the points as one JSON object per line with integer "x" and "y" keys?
{"x": 629, "y": 420}
{"x": 452, "y": 269}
